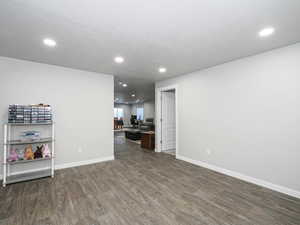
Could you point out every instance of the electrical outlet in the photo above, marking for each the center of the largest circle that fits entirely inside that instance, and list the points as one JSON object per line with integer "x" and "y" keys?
{"x": 208, "y": 151}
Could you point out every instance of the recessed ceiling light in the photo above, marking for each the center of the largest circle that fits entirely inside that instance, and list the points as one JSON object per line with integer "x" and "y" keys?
{"x": 124, "y": 85}
{"x": 162, "y": 70}
{"x": 49, "y": 42}
{"x": 119, "y": 59}
{"x": 133, "y": 95}
{"x": 266, "y": 32}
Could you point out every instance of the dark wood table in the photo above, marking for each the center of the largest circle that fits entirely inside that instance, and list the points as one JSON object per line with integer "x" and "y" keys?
{"x": 148, "y": 140}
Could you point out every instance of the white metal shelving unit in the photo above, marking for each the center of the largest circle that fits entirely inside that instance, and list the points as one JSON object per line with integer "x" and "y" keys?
{"x": 7, "y": 177}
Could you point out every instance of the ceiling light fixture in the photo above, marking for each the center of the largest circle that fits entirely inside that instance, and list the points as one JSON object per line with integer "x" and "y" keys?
{"x": 162, "y": 70}
{"x": 266, "y": 32}
{"x": 133, "y": 95}
{"x": 119, "y": 59}
{"x": 124, "y": 85}
{"x": 49, "y": 42}
{"x": 120, "y": 83}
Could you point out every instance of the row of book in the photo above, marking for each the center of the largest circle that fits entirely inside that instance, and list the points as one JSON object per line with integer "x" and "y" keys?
{"x": 29, "y": 113}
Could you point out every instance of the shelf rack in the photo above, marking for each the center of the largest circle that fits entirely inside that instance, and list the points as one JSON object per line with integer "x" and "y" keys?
{"x": 9, "y": 178}
{"x": 36, "y": 141}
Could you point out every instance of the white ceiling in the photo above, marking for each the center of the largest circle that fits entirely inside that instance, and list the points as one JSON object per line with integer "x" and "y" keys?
{"x": 183, "y": 36}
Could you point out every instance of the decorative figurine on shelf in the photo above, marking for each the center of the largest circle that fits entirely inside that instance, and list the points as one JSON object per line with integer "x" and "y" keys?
{"x": 28, "y": 154}
{"x": 13, "y": 156}
{"x": 38, "y": 152}
{"x": 20, "y": 153}
{"x": 46, "y": 151}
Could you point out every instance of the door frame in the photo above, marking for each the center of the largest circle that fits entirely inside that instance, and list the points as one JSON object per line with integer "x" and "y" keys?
{"x": 158, "y": 114}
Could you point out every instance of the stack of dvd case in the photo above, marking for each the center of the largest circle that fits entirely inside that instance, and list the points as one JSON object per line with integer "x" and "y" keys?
{"x": 29, "y": 114}
{"x": 34, "y": 114}
{"x": 48, "y": 114}
{"x": 41, "y": 114}
{"x": 16, "y": 114}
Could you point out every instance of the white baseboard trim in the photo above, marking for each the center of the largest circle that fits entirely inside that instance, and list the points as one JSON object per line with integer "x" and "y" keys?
{"x": 66, "y": 165}
{"x": 82, "y": 163}
{"x": 240, "y": 176}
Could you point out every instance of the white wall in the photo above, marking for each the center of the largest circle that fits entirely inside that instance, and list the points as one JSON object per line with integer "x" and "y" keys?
{"x": 127, "y": 112}
{"x": 149, "y": 109}
{"x": 82, "y": 103}
{"x": 247, "y": 114}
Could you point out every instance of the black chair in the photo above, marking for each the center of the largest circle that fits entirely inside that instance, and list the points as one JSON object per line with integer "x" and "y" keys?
{"x": 133, "y": 121}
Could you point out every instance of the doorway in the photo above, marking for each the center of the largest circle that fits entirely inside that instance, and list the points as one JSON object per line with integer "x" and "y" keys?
{"x": 167, "y": 120}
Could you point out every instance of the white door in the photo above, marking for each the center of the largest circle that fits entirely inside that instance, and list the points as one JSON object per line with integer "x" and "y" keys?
{"x": 168, "y": 121}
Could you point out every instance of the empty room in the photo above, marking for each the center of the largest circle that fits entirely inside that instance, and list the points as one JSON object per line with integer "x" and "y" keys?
{"x": 157, "y": 112}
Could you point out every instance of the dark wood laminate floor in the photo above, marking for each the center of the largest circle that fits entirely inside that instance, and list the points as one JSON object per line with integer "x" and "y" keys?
{"x": 140, "y": 188}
